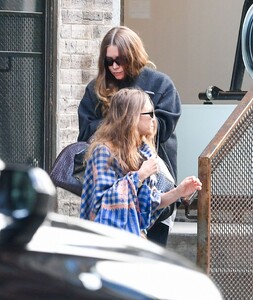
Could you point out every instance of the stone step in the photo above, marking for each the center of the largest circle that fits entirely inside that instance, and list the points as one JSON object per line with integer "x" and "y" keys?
{"x": 183, "y": 239}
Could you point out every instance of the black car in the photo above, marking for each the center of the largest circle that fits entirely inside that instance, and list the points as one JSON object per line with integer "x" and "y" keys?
{"x": 44, "y": 255}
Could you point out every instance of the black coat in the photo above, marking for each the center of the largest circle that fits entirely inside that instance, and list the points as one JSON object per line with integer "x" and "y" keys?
{"x": 167, "y": 105}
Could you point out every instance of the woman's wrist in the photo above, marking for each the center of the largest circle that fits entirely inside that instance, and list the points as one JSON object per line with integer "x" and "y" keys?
{"x": 141, "y": 177}
{"x": 176, "y": 193}
{"x": 139, "y": 183}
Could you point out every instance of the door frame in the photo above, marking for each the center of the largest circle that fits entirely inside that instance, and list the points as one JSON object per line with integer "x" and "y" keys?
{"x": 50, "y": 96}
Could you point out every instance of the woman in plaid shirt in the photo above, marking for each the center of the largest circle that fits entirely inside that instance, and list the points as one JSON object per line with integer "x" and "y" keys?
{"x": 119, "y": 182}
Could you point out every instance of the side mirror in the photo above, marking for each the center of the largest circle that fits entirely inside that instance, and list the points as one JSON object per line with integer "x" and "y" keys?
{"x": 26, "y": 196}
{"x": 247, "y": 39}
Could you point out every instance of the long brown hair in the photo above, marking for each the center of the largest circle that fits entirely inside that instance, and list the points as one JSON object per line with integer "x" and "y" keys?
{"x": 120, "y": 128}
{"x": 131, "y": 47}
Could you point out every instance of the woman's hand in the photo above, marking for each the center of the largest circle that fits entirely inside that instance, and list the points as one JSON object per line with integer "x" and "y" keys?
{"x": 148, "y": 168}
{"x": 188, "y": 186}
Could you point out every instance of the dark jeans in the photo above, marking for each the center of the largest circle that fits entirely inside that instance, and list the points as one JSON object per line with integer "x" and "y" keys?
{"x": 158, "y": 234}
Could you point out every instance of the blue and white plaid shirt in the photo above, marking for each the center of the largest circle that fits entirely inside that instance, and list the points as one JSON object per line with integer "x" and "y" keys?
{"x": 113, "y": 198}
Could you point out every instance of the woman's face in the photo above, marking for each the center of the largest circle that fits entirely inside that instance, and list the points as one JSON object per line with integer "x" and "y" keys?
{"x": 147, "y": 120}
{"x": 117, "y": 62}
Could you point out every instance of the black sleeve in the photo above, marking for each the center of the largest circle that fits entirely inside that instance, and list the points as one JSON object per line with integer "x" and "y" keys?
{"x": 165, "y": 97}
{"x": 89, "y": 113}
{"x": 167, "y": 110}
{"x": 167, "y": 106}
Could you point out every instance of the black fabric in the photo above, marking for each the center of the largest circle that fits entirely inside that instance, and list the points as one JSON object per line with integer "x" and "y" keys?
{"x": 69, "y": 167}
{"x": 158, "y": 234}
{"x": 79, "y": 165}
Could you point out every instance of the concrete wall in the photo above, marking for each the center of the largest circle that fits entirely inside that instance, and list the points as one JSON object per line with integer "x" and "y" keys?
{"x": 81, "y": 26}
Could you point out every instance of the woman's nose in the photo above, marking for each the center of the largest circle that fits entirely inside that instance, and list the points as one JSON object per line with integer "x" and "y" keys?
{"x": 114, "y": 65}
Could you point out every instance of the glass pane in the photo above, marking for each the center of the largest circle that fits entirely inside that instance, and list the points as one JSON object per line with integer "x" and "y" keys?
{"x": 194, "y": 42}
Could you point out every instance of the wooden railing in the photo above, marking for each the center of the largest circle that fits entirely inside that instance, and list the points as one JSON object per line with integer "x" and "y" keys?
{"x": 225, "y": 205}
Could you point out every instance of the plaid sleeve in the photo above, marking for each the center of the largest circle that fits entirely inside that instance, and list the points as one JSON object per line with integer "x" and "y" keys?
{"x": 149, "y": 208}
{"x": 113, "y": 197}
{"x": 115, "y": 200}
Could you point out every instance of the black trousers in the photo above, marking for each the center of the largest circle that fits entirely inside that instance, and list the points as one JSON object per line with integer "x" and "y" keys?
{"x": 158, "y": 234}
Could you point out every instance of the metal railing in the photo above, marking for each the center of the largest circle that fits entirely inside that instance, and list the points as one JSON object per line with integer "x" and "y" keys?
{"x": 225, "y": 205}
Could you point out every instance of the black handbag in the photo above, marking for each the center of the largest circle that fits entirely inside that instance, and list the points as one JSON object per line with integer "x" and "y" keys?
{"x": 69, "y": 167}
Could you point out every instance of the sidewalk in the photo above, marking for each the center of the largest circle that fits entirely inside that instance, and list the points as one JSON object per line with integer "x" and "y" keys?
{"x": 183, "y": 237}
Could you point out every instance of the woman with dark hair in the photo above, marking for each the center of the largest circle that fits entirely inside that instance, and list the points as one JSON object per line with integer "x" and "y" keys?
{"x": 123, "y": 62}
{"x": 119, "y": 183}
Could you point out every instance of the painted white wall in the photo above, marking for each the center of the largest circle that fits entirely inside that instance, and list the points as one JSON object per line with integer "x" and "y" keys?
{"x": 196, "y": 127}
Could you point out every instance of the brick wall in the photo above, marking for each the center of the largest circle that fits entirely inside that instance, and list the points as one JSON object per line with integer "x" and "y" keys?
{"x": 81, "y": 26}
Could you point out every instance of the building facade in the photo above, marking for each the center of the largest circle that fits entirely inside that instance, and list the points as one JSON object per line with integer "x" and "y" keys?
{"x": 81, "y": 26}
